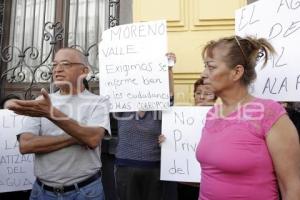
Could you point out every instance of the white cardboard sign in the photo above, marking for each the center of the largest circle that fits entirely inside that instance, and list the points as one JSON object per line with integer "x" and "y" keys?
{"x": 133, "y": 67}
{"x": 279, "y": 22}
{"x": 182, "y": 127}
{"x": 16, "y": 170}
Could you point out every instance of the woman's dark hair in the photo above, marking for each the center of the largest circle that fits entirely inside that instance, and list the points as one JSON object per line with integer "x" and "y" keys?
{"x": 241, "y": 51}
{"x": 198, "y": 82}
{"x": 8, "y": 97}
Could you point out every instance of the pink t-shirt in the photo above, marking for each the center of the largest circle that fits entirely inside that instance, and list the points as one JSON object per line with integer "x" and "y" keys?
{"x": 234, "y": 156}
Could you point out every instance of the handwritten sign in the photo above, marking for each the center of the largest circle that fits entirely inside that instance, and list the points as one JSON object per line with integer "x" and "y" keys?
{"x": 16, "y": 170}
{"x": 133, "y": 67}
{"x": 279, "y": 22}
{"x": 182, "y": 127}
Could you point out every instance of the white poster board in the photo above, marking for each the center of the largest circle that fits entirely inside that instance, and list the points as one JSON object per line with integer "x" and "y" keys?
{"x": 133, "y": 67}
{"x": 16, "y": 170}
{"x": 182, "y": 127}
{"x": 279, "y": 22}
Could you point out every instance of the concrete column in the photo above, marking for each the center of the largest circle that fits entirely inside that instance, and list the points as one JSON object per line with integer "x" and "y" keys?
{"x": 251, "y": 1}
{"x": 125, "y": 11}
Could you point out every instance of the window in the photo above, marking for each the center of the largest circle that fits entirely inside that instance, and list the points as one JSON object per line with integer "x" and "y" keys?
{"x": 39, "y": 27}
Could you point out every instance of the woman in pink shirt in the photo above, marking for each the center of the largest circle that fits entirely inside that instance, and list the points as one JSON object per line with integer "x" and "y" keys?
{"x": 249, "y": 146}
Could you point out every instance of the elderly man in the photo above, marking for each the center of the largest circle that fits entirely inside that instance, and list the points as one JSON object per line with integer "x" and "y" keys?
{"x": 64, "y": 131}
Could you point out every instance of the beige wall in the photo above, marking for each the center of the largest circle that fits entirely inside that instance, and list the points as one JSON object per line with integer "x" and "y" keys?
{"x": 191, "y": 23}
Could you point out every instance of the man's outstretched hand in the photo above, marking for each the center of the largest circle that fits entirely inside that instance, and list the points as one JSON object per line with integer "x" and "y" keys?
{"x": 41, "y": 107}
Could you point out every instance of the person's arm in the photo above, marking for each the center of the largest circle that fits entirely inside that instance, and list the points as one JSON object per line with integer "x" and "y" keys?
{"x": 31, "y": 143}
{"x": 284, "y": 147}
{"x": 42, "y": 107}
{"x": 88, "y": 135}
{"x": 171, "y": 56}
{"x": 171, "y": 81}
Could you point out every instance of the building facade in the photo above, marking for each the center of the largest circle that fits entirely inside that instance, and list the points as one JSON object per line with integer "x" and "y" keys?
{"x": 191, "y": 24}
{"x": 32, "y": 30}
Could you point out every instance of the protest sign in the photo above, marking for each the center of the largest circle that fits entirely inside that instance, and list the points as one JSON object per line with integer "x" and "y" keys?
{"x": 133, "y": 67}
{"x": 16, "y": 170}
{"x": 279, "y": 22}
{"x": 182, "y": 127}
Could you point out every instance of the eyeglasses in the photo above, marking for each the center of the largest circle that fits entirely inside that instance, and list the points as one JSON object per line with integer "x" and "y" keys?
{"x": 239, "y": 44}
{"x": 207, "y": 95}
{"x": 64, "y": 64}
